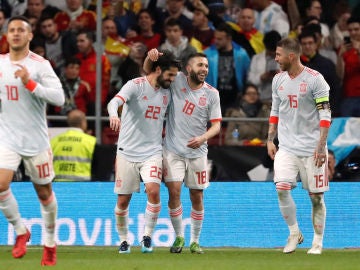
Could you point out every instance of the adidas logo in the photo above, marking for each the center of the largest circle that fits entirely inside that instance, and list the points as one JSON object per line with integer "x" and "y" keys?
{"x": 281, "y": 88}
{"x": 145, "y": 98}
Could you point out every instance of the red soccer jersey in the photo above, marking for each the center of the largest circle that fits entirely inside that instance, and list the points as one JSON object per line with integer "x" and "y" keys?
{"x": 351, "y": 86}
{"x": 87, "y": 19}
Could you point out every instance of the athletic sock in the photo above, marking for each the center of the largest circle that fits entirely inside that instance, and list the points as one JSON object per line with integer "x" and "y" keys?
{"x": 10, "y": 209}
{"x": 287, "y": 206}
{"x": 176, "y": 220}
{"x": 151, "y": 216}
{"x": 48, "y": 210}
{"x": 318, "y": 217}
{"x": 122, "y": 220}
{"x": 197, "y": 218}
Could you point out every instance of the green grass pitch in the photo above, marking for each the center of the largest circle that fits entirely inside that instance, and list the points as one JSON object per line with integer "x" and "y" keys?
{"x": 107, "y": 258}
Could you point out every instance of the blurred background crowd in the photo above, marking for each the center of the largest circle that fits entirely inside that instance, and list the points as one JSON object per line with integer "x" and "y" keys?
{"x": 238, "y": 36}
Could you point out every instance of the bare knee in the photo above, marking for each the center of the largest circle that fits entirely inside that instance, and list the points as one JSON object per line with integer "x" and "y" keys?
{"x": 123, "y": 201}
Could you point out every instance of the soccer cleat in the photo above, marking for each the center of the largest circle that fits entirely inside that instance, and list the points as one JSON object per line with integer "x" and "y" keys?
{"x": 178, "y": 245}
{"x": 316, "y": 249}
{"x": 292, "y": 242}
{"x": 49, "y": 256}
{"x": 124, "y": 248}
{"x": 195, "y": 248}
{"x": 19, "y": 249}
{"x": 146, "y": 245}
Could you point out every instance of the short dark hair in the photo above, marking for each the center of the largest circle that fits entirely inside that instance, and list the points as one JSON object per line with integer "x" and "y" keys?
{"x": 193, "y": 55}
{"x": 45, "y": 18}
{"x": 20, "y": 18}
{"x": 271, "y": 39}
{"x": 313, "y": 28}
{"x": 305, "y": 33}
{"x": 166, "y": 61}
{"x": 170, "y": 22}
{"x": 146, "y": 10}
{"x": 224, "y": 27}
{"x": 353, "y": 19}
{"x": 89, "y": 34}
{"x": 72, "y": 61}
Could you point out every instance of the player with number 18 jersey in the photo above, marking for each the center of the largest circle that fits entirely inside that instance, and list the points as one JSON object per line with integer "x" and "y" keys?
{"x": 189, "y": 112}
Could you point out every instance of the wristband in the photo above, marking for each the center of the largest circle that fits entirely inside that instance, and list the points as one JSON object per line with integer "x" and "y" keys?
{"x": 31, "y": 85}
{"x": 274, "y": 119}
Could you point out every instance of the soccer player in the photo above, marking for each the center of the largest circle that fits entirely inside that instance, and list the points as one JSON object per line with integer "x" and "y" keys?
{"x": 27, "y": 83}
{"x": 194, "y": 103}
{"x": 301, "y": 116}
{"x": 144, "y": 101}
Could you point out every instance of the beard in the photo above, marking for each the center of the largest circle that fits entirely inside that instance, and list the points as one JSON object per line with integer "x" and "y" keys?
{"x": 195, "y": 78}
{"x": 162, "y": 82}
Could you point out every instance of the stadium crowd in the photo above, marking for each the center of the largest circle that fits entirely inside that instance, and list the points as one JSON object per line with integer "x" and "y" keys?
{"x": 238, "y": 36}
{"x": 231, "y": 33}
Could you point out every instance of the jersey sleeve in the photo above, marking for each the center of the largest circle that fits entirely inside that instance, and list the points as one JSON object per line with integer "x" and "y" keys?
{"x": 321, "y": 87}
{"x": 126, "y": 93}
{"x": 215, "y": 108}
{"x": 275, "y": 98}
{"x": 48, "y": 87}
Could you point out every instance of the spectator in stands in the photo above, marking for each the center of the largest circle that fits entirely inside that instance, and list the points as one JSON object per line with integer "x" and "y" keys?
{"x": 87, "y": 56}
{"x": 60, "y": 4}
{"x": 76, "y": 90}
{"x": 132, "y": 67}
{"x": 311, "y": 58}
{"x": 59, "y": 46}
{"x": 263, "y": 67}
{"x": 115, "y": 48}
{"x": 202, "y": 30}
{"x": 340, "y": 30}
{"x": 124, "y": 18}
{"x": 246, "y": 24}
{"x": 75, "y": 17}
{"x": 34, "y": 24}
{"x": 176, "y": 42}
{"x": 175, "y": 9}
{"x": 4, "y": 45}
{"x": 73, "y": 150}
{"x": 37, "y": 45}
{"x": 250, "y": 106}
{"x": 228, "y": 66}
{"x": 314, "y": 9}
{"x": 349, "y": 69}
{"x": 144, "y": 31}
{"x": 38, "y": 8}
{"x": 237, "y": 36}
{"x": 313, "y": 25}
{"x": 270, "y": 16}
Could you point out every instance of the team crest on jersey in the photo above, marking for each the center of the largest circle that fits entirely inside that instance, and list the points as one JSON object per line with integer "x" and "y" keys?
{"x": 303, "y": 87}
{"x": 165, "y": 100}
{"x": 202, "y": 101}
